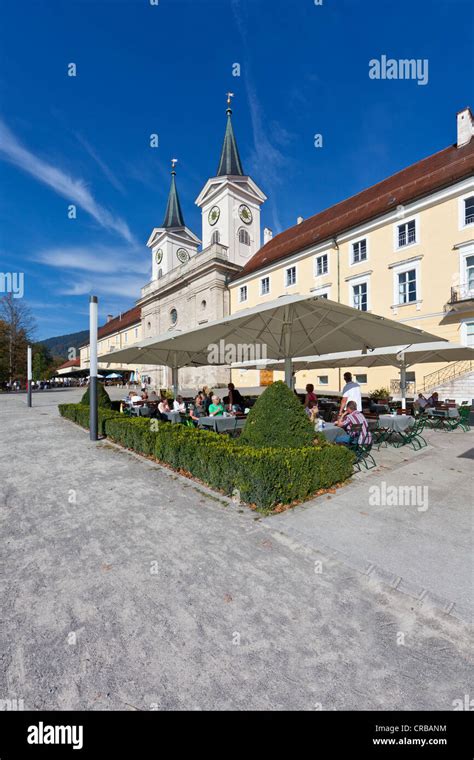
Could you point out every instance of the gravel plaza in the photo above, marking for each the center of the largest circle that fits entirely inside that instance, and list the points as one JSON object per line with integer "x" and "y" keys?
{"x": 130, "y": 587}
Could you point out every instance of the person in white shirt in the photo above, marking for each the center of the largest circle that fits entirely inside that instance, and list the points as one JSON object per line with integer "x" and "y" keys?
{"x": 134, "y": 397}
{"x": 179, "y": 405}
{"x": 350, "y": 392}
{"x": 163, "y": 406}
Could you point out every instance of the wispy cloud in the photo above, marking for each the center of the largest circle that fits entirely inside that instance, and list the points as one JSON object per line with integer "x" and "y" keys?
{"x": 102, "y": 270}
{"x": 106, "y": 170}
{"x": 99, "y": 259}
{"x": 127, "y": 287}
{"x": 74, "y": 190}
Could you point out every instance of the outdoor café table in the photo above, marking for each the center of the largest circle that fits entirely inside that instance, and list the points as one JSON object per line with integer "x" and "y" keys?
{"x": 451, "y": 412}
{"x": 221, "y": 424}
{"x": 396, "y": 423}
{"x": 330, "y": 431}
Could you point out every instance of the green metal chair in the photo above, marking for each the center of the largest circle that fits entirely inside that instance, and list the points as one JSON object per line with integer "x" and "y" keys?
{"x": 412, "y": 436}
{"x": 464, "y": 421}
{"x": 361, "y": 449}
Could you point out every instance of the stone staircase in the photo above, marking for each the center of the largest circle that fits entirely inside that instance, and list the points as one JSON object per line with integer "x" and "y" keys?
{"x": 454, "y": 381}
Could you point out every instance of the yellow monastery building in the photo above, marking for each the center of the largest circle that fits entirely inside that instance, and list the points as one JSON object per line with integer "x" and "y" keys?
{"x": 403, "y": 249}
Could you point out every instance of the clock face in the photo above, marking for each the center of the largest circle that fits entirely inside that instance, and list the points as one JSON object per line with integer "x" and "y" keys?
{"x": 159, "y": 256}
{"x": 182, "y": 255}
{"x": 245, "y": 214}
{"x": 214, "y": 215}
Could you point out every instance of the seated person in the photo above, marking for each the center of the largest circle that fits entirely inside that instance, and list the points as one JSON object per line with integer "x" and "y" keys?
{"x": 153, "y": 396}
{"x": 352, "y": 417}
{"x": 310, "y": 397}
{"x": 134, "y": 397}
{"x": 312, "y": 410}
{"x": 421, "y": 402}
{"x": 195, "y": 412}
{"x": 179, "y": 405}
{"x": 144, "y": 395}
{"x": 163, "y": 406}
{"x": 235, "y": 398}
{"x": 433, "y": 400}
{"x": 216, "y": 409}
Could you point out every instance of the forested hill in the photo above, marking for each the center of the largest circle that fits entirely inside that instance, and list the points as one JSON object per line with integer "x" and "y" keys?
{"x": 60, "y": 345}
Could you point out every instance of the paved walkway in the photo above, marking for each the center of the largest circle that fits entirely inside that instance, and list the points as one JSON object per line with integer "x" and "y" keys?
{"x": 127, "y": 587}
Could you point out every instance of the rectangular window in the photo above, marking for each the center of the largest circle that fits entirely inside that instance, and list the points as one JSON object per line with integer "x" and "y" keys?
{"x": 290, "y": 276}
{"x": 361, "y": 379}
{"x": 469, "y": 210}
{"x": 264, "y": 286}
{"x": 323, "y": 379}
{"x": 322, "y": 265}
{"x": 359, "y": 296}
{"x": 470, "y": 334}
{"x": 125, "y": 337}
{"x": 243, "y": 293}
{"x": 406, "y": 233}
{"x": 136, "y": 332}
{"x": 359, "y": 251}
{"x": 470, "y": 273}
{"x": 407, "y": 286}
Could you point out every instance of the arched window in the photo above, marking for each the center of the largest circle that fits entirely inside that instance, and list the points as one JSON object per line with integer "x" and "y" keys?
{"x": 216, "y": 238}
{"x": 244, "y": 236}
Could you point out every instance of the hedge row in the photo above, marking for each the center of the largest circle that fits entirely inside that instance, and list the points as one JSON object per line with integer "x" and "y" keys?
{"x": 265, "y": 477}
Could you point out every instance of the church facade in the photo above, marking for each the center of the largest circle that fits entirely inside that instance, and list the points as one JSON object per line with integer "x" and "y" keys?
{"x": 191, "y": 274}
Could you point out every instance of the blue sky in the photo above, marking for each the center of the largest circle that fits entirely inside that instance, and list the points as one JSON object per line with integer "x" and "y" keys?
{"x": 165, "y": 69}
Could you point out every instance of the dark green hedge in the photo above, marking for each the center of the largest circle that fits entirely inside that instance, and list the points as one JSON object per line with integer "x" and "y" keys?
{"x": 265, "y": 477}
{"x": 279, "y": 420}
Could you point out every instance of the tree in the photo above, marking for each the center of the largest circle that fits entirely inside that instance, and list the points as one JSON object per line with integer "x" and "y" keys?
{"x": 19, "y": 328}
{"x": 103, "y": 398}
{"x": 42, "y": 361}
{"x": 278, "y": 419}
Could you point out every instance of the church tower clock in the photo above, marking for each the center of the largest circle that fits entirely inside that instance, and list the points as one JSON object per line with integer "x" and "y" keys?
{"x": 230, "y": 203}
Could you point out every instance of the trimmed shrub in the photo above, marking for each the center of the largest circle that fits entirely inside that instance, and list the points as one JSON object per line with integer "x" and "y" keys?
{"x": 103, "y": 398}
{"x": 278, "y": 420}
{"x": 265, "y": 477}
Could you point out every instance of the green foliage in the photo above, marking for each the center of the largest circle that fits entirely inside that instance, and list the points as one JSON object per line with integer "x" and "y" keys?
{"x": 379, "y": 393}
{"x": 265, "y": 477}
{"x": 103, "y": 398}
{"x": 277, "y": 420}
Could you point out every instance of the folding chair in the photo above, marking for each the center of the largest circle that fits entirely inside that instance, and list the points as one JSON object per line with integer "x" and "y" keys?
{"x": 361, "y": 449}
{"x": 412, "y": 436}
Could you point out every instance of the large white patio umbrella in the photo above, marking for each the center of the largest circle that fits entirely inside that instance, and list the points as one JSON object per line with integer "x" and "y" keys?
{"x": 281, "y": 329}
{"x": 401, "y": 356}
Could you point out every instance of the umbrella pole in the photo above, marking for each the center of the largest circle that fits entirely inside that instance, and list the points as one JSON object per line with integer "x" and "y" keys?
{"x": 174, "y": 380}
{"x": 403, "y": 385}
{"x": 289, "y": 372}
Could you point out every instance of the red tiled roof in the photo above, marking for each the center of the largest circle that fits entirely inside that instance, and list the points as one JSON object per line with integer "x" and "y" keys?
{"x": 433, "y": 173}
{"x": 71, "y": 363}
{"x": 128, "y": 318}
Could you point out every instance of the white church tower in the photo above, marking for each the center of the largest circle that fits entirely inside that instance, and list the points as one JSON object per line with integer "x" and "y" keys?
{"x": 173, "y": 243}
{"x": 230, "y": 203}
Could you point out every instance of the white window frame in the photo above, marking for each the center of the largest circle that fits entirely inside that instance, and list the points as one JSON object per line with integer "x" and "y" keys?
{"x": 287, "y": 269}
{"x": 407, "y": 266}
{"x": 463, "y": 329}
{"x": 465, "y": 252}
{"x": 319, "y": 379}
{"x": 266, "y": 277}
{"x": 364, "y": 280}
{"x": 241, "y": 290}
{"x": 353, "y": 263}
{"x": 461, "y": 211}
{"x": 362, "y": 382}
{"x": 324, "y": 290}
{"x": 415, "y": 218}
{"x": 316, "y": 259}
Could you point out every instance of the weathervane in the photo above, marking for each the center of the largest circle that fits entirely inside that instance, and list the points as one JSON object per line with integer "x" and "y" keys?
{"x": 230, "y": 95}
{"x": 174, "y": 161}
